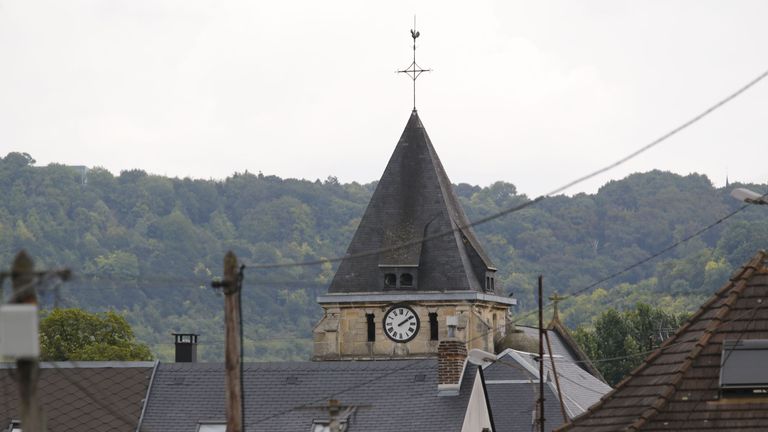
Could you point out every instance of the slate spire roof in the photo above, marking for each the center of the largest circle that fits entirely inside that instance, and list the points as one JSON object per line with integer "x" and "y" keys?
{"x": 677, "y": 387}
{"x": 414, "y": 200}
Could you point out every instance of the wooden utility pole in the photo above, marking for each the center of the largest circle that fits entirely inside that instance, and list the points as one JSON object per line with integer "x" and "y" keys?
{"x": 24, "y": 284}
{"x": 231, "y": 285}
{"x": 541, "y": 354}
{"x": 557, "y": 379}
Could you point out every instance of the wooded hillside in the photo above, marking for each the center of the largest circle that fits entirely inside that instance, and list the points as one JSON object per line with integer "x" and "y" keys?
{"x": 147, "y": 246}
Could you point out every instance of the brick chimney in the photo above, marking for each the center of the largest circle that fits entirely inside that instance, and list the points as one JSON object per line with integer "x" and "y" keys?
{"x": 451, "y": 358}
{"x": 186, "y": 347}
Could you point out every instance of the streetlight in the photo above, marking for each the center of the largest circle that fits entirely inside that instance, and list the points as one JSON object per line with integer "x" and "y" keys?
{"x": 749, "y": 196}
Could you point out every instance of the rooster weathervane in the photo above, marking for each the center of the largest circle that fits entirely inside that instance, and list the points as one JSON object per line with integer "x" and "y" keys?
{"x": 414, "y": 70}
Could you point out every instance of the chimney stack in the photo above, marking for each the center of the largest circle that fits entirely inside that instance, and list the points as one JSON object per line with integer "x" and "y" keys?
{"x": 186, "y": 347}
{"x": 451, "y": 358}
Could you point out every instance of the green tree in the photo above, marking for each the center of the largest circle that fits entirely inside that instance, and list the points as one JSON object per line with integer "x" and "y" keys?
{"x": 74, "y": 334}
{"x": 621, "y": 339}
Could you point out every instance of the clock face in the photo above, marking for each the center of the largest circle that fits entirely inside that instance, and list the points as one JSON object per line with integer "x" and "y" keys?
{"x": 401, "y": 323}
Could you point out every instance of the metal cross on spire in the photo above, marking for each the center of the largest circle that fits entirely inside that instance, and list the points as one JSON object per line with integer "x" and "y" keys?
{"x": 414, "y": 70}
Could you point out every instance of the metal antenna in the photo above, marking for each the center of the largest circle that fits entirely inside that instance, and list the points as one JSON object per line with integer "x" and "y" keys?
{"x": 414, "y": 70}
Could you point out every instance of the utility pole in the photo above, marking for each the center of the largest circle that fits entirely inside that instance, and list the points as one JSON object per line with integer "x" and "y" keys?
{"x": 23, "y": 279}
{"x": 557, "y": 379}
{"x": 232, "y": 287}
{"x": 541, "y": 354}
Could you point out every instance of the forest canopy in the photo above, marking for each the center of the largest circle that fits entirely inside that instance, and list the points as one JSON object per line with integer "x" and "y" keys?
{"x": 147, "y": 246}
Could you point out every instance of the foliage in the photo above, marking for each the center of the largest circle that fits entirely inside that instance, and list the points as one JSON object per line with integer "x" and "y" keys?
{"x": 620, "y": 340}
{"x": 148, "y": 246}
{"x": 74, "y": 334}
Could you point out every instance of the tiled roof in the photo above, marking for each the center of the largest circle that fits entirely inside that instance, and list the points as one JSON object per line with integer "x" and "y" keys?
{"x": 513, "y": 377}
{"x": 287, "y": 396}
{"x": 563, "y": 345}
{"x": 677, "y": 386}
{"x": 83, "y": 396}
{"x": 414, "y": 199}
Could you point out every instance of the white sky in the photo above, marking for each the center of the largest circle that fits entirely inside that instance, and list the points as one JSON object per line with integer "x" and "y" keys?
{"x": 534, "y": 93}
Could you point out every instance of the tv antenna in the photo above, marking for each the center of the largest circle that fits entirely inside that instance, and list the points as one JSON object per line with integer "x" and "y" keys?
{"x": 414, "y": 70}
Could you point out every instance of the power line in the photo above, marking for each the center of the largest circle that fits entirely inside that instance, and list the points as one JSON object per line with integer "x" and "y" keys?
{"x": 526, "y": 204}
{"x": 661, "y": 252}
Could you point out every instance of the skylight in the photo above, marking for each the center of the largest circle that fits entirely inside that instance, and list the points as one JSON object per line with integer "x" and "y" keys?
{"x": 742, "y": 366}
{"x": 212, "y": 427}
{"x": 324, "y": 426}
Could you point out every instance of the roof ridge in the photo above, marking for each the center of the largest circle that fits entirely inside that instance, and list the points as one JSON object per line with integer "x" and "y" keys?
{"x": 737, "y": 288}
{"x": 556, "y": 325}
{"x": 735, "y": 285}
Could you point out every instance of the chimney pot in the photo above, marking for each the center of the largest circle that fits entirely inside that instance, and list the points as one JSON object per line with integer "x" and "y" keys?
{"x": 186, "y": 347}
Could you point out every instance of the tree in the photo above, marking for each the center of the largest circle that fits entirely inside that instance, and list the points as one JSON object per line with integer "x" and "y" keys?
{"x": 74, "y": 334}
{"x": 622, "y": 339}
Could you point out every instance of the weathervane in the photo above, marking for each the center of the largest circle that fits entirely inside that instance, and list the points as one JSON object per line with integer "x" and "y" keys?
{"x": 414, "y": 70}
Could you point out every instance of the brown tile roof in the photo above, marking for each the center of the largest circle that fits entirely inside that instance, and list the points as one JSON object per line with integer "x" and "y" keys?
{"x": 82, "y": 396}
{"x": 677, "y": 386}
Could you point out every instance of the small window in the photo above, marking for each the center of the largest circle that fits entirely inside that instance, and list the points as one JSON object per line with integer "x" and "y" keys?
{"x": 493, "y": 285}
{"x": 371, "y": 327}
{"x": 212, "y": 427}
{"x": 406, "y": 280}
{"x": 390, "y": 279}
{"x": 433, "y": 326}
{"x": 325, "y": 426}
{"x": 742, "y": 367}
{"x": 487, "y": 283}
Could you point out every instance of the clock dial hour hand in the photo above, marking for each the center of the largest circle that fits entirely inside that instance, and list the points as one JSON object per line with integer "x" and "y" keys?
{"x": 404, "y": 321}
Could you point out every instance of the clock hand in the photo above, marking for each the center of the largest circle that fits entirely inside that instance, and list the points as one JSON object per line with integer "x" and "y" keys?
{"x": 404, "y": 321}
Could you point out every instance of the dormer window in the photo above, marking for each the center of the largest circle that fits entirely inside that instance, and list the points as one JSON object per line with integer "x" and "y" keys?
{"x": 399, "y": 277}
{"x": 742, "y": 368}
{"x": 490, "y": 284}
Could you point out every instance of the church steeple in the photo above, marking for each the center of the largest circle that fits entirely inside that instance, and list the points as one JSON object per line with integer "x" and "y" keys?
{"x": 415, "y": 200}
{"x": 414, "y": 266}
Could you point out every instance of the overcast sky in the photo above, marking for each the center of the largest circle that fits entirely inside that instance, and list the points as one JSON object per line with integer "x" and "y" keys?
{"x": 534, "y": 93}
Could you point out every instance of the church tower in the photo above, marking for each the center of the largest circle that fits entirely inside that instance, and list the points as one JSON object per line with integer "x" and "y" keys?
{"x": 413, "y": 269}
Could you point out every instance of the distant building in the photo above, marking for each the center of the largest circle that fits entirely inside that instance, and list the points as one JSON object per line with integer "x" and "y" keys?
{"x": 82, "y": 170}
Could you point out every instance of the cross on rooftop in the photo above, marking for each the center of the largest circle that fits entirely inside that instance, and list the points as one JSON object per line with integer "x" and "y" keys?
{"x": 555, "y": 299}
{"x": 414, "y": 70}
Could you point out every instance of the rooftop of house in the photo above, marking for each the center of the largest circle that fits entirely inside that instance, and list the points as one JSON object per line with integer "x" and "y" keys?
{"x": 290, "y": 396}
{"x": 512, "y": 380}
{"x": 563, "y": 345}
{"x": 83, "y": 396}
{"x": 685, "y": 384}
{"x": 414, "y": 200}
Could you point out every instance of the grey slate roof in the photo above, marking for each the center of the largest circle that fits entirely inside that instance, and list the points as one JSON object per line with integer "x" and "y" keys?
{"x": 563, "y": 345}
{"x": 82, "y": 396}
{"x": 388, "y": 395}
{"x": 414, "y": 199}
{"x": 512, "y": 384}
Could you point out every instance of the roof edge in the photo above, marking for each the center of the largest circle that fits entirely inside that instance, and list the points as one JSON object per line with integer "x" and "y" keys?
{"x": 87, "y": 364}
{"x": 753, "y": 265}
